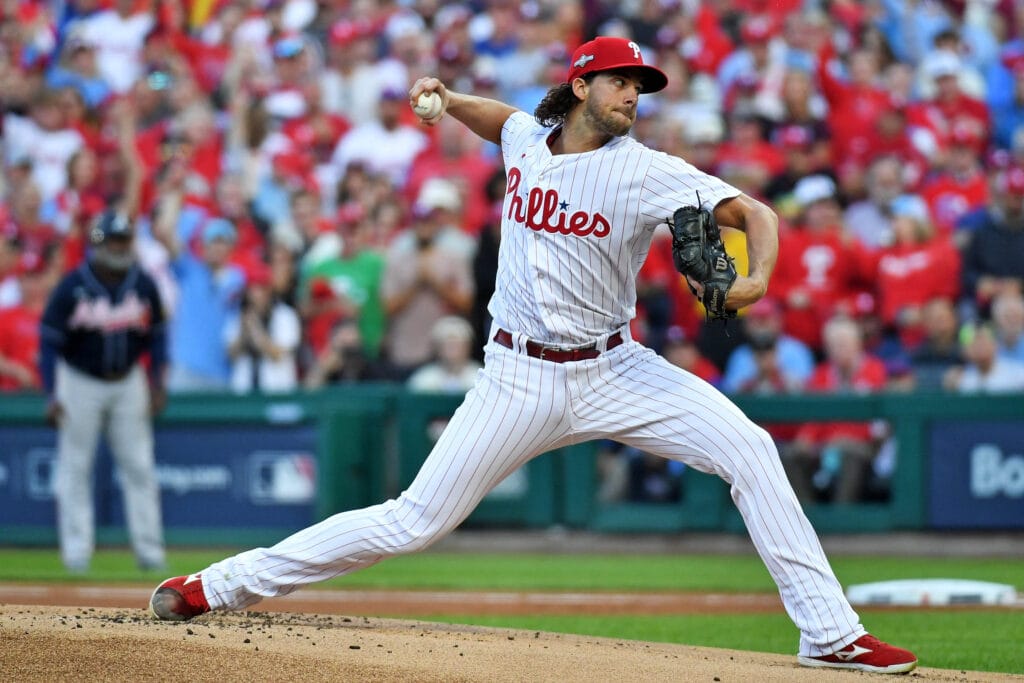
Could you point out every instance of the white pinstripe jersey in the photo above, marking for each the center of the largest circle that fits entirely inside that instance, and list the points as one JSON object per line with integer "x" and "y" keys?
{"x": 577, "y": 227}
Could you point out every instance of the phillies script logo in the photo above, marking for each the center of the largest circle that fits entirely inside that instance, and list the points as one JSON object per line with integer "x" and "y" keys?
{"x": 543, "y": 211}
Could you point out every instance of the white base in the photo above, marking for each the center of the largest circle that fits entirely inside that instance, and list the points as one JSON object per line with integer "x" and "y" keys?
{"x": 941, "y": 592}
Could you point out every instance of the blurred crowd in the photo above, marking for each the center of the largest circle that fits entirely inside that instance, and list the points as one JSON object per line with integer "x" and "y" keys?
{"x": 306, "y": 230}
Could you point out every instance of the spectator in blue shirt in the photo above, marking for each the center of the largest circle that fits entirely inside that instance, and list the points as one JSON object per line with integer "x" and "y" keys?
{"x": 77, "y": 69}
{"x": 210, "y": 292}
{"x": 1008, "y": 114}
{"x": 762, "y": 325}
{"x": 1008, "y": 320}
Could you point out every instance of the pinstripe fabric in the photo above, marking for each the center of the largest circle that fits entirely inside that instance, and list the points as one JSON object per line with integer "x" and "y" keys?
{"x": 637, "y": 397}
{"x": 575, "y": 231}
{"x": 521, "y": 407}
{"x": 567, "y": 289}
{"x": 517, "y": 410}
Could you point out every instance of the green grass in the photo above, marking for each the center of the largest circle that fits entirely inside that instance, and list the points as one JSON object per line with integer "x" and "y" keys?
{"x": 987, "y": 640}
{"x": 977, "y": 640}
{"x": 479, "y": 571}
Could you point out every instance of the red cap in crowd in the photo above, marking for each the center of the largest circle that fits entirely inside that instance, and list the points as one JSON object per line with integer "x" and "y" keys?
{"x": 320, "y": 288}
{"x": 756, "y": 29}
{"x": 9, "y": 232}
{"x": 345, "y": 32}
{"x": 606, "y": 53}
{"x": 795, "y": 137}
{"x": 32, "y": 263}
{"x": 1014, "y": 181}
{"x": 258, "y": 273}
{"x": 350, "y": 213}
{"x": 766, "y": 307}
{"x": 966, "y": 134}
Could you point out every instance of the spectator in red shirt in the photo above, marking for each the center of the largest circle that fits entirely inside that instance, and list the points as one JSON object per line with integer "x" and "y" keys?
{"x": 10, "y": 259}
{"x": 36, "y": 237}
{"x": 804, "y": 149}
{"x": 681, "y": 350}
{"x": 698, "y": 37}
{"x": 919, "y": 266}
{"x": 316, "y": 130}
{"x": 961, "y": 186}
{"x": 886, "y": 136}
{"x": 77, "y": 204}
{"x": 852, "y": 103}
{"x": 197, "y": 128}
{"x": 833, "y": 459}
{"x": 456, "y": 156}
{"x": 746, "y": 159}
{"x": 951, "y": 109}
{"x": 19, "y": 330}
{"x": 818, "y": 262}
{"x": 207, "y": 59}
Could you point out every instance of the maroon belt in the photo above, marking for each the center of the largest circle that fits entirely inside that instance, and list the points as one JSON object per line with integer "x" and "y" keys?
{"x": 557, "y": 354}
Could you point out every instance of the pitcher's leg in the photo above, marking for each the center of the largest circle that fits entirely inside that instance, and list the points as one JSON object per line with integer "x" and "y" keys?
{"x": 130, "y": 433}
{"x": 496, "y": 430}
{"x": 672, "y": 413}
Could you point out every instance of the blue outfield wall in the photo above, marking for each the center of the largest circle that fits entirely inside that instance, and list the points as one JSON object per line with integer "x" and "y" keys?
{"x": 248, "y": 470}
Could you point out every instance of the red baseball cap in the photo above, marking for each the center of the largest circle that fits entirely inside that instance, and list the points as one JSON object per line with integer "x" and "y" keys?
{"x": 764, "y": 308}
{"x": 606, "y": 53}
{"x": 1014, "y": 181}
{"x": 965, "y": 134}
{"x": 259, "y": 273}
{"x": 795, "y": 136}
{"x": 757, "y": 29}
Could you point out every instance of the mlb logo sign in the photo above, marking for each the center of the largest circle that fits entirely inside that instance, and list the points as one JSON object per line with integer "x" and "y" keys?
{"x": 281, "y": 478}
{"x": 40, "y": 474}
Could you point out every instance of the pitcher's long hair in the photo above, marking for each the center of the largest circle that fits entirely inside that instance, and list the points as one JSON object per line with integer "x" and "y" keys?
{"x": 557, "y": 104}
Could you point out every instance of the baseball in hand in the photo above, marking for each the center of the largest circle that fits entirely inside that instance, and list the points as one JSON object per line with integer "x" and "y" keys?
{"x": 428, "y": 105}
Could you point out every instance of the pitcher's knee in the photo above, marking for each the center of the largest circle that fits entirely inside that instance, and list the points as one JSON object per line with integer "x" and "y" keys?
{"x": 417, "y": 539}
{"x": 758, "y": 441}
{"x": 754, "y": 454}
{"x": 415, "y": 528}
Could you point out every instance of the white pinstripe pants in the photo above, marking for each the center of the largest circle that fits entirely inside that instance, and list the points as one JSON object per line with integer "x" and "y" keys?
{"x": 521, "y": 407}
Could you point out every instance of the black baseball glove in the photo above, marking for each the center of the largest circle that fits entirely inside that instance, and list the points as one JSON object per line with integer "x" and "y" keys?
{"x": 699, "y": 254}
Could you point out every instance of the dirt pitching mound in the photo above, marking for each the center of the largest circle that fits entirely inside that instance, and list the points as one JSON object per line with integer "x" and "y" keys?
{"x": 103, "y": 644}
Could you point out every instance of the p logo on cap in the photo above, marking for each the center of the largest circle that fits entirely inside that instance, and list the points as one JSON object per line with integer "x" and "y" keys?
{"x": 607, "y": 53}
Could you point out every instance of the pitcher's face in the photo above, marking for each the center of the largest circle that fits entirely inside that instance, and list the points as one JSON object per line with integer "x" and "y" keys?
{"x": 611, "y": 100}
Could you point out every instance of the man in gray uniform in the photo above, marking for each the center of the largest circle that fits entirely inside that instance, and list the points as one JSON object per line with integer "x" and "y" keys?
{"x": 99, "y": 322}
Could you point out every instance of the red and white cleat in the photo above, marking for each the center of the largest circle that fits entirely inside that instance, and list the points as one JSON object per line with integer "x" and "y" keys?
{"x": 867, "y": 653}
{"x": 179, "y": 599}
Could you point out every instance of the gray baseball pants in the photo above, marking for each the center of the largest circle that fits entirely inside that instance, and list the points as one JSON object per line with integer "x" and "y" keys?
{"x": 118, "y": 409}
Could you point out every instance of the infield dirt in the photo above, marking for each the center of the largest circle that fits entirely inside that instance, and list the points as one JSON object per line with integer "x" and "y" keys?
{"x": 54, "y": 643}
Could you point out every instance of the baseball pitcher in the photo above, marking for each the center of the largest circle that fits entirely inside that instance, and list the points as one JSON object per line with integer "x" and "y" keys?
{"x": 581, "y": 204}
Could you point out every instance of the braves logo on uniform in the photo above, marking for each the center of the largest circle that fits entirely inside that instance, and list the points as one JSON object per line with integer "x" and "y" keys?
{"x": 545, "y": 210}
{"x": 100, "y": 314}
